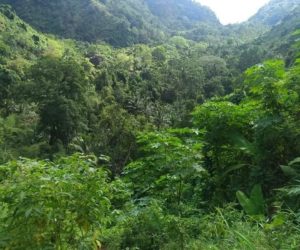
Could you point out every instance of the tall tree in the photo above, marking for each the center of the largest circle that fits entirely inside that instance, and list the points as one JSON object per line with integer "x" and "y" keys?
{"x": 58, "y": 86}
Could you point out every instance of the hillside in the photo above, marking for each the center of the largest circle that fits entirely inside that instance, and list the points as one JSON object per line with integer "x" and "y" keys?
{"x": 181, "y": 14}
{"x": 274, "y": 12}
{"x": 143, "y": 80}
{"x": 278, "y": 41}
{"x": 120, "y": 23}
{"x": 285, "y": 30}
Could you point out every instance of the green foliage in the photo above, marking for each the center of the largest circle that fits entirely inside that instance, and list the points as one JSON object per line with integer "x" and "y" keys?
{"x": 9, "y": 80}
{"x": 274, "y": 12}
{"x": 228, "y": 144}
{"x": 53, "y": 205}
{"x": 16, "y": 132}
{"x": 123, "y": 23}
{"x": 58, "y": 87}
{"x": 291, "y": 192}
{"x": 247, "y": 142}
{"x": 151, "y": 87}
{"x": 168, "y": 167}
{"x": 150, "y": 228}
{"x": 288, "y": 19}
{"x": 174, "y": 172}
{"x": 254, "y": 204}
{"x": 113, "y": 133}
{"x": 291, "y": 169}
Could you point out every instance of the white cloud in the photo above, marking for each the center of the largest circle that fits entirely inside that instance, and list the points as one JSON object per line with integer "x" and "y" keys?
{"x": 234, "y": 11}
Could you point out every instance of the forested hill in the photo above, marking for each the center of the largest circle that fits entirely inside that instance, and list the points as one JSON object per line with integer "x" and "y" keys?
{"x": 181, "y": 14}
{"x": 274, "y": 12}
{"x": 268, "y": 45}
{"x": 286, "y": 30}
{"x": 120, "y": 23}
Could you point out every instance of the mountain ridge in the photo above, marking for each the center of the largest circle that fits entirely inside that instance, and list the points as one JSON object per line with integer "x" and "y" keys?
{"x": 120, "y": 23}
{"x": 274, "y": 12}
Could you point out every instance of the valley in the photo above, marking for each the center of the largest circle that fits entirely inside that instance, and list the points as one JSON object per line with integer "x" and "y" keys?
{"x": 138, "y": 124}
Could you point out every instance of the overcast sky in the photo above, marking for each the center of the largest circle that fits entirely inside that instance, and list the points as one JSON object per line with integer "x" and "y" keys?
{"x": 234, "y": 11}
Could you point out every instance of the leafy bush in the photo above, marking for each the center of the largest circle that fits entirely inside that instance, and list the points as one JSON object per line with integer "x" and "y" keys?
{"x": 61, "y": 205}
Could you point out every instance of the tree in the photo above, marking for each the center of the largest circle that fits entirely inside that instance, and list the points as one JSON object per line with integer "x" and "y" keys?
{"x": 59, "y": 86}
{"x": 168, "y": 167}
{"x": 8, "y": 81}
{"x": 227, "y": 140}
{"x": 113, "y": 132}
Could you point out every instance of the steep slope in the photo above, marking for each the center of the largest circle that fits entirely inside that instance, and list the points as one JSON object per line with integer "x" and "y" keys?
{"x": 81, "y": 19}
{"x": 19, "y": 43}
{"x": 120, "y": 23}
{"x": 178, "y": 14}
{"x": 279, "y": 42}
{"x": 274, "y": 12}
{"x": 279, "y": 39}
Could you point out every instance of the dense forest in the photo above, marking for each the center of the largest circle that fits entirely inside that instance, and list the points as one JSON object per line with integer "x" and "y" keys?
{"x": 138, "y": 124}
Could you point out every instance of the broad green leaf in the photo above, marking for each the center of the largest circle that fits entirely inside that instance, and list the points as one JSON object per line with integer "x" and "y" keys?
{"x": 289, "y": 171}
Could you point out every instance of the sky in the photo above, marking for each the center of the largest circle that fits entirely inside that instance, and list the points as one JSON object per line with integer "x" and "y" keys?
{"x": 234, "y": 11}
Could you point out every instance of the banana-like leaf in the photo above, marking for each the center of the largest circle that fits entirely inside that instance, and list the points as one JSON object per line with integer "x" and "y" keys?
{"x": 257, "y": 199}
{"x": 253, "y": 205}
{"x": 295, "y": 161}
{"x": 245, "y": 202}
{"x": 289, "y": 171}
